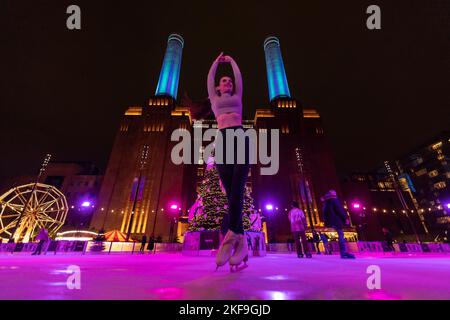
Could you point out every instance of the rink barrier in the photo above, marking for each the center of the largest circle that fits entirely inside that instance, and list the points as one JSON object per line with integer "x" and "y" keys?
{"x": 98, "y": 247}
{"x": 366, "y": 247}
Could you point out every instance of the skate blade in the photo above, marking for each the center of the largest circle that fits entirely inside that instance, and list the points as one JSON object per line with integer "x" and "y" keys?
{"x": 238, "y": 268}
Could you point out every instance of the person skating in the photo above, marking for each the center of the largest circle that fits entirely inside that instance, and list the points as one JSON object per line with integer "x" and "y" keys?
{"x": 151, "y": 244}
{"x": 143, "y": 243}
{"x": 226, "y": 104}
{"x": 42, "y": 237}
{"x": 316, "y": 240}
{"x": 336, "y": 217}
{"x": 298, "y": 228}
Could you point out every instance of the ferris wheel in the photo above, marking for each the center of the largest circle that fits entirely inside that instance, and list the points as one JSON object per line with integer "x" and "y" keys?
{"x": 45, "y": 207}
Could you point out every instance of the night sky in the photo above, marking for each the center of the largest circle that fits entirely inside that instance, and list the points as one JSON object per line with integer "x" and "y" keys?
{"x": 380, "y": 92}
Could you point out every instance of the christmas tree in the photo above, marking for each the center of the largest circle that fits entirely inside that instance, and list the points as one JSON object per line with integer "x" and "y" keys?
{"x": 214, "y": 203}
{"x": 251, "y": 219}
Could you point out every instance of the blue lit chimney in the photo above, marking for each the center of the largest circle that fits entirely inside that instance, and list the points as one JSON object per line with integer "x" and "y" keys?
{"x": 276, "y": 75}
{"x": 170, "y": 71}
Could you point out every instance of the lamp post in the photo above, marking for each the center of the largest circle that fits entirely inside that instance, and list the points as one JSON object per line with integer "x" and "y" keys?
{"x": 41, "y": 171}
{"x": 268, "y": 209}
{"x": 143, "y": 161}
{"x": 356, "y": 208}
{"x": 304, "y": 186}
{"x": 401, "y": 198}
{"x": 86, "y": 209}
{"x": 173, "y": 219}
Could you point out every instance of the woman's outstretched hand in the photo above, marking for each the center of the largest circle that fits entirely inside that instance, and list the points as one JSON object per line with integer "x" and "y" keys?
{"x": 227, "y": 59}
{"x": 219, "y": 59}
{"x": 223, "y": 59}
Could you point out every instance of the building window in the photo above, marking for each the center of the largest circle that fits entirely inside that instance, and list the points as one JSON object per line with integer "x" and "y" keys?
{"x": 124, "y": 127}
{"x": 433, "y": 173}
{"x": 436, "y": 145}
{"x": 389, "y": 185}
{"x": 440, "y": 185}
{"x": 421, "y": 172}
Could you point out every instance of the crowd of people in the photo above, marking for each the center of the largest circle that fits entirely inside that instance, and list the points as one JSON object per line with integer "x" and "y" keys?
{"x": 335, "y": 217}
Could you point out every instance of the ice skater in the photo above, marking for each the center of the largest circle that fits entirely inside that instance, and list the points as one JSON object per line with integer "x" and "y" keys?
{"x": 336, "y": 217}
{"x": 143, "y": 243}
{"x": 151, "y": 244}
{"x": 226, "y": 104}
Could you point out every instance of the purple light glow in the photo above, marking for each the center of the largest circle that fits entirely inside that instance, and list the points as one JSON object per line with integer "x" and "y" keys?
{"x": 448, "y": 205}
{"x": 86, "y": 204}
{"x": 174, "y": 207}
{"x": 269, "y": 207}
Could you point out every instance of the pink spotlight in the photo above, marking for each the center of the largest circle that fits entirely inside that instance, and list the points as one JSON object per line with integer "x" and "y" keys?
{"x": 269, "y": 207}
{"x": 356, "y": 205}
{"x": 174, "y": 207}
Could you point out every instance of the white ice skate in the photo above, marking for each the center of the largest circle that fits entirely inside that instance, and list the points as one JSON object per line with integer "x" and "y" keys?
{"x": 227, "y": 248}
{"x": 239, "y": 259}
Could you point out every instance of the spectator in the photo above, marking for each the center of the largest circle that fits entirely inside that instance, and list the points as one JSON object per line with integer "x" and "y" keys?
{"x": 43, "y": 238}
{"x": 298, "y": 227}
{"x": 326, "y": 244}
{"x": 316, "y": 240}
{"x": 389, "y": 240}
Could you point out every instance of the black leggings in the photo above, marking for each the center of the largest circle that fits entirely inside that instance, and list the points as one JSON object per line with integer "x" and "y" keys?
{"x": 233, "y": 177}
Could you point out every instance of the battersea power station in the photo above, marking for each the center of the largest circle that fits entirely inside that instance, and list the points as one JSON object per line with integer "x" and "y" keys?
{"x": 145, "y": 192}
